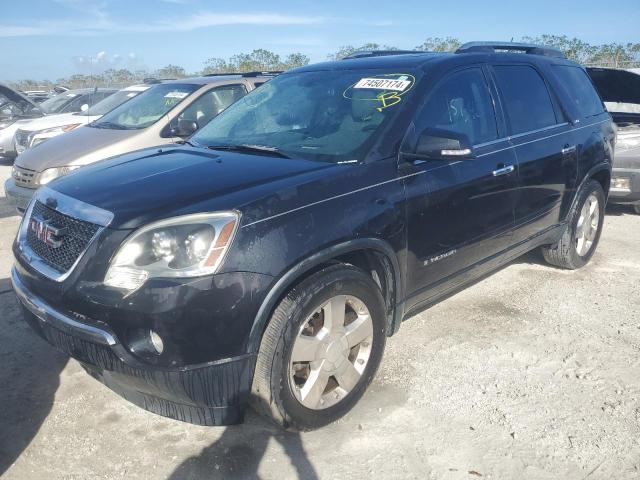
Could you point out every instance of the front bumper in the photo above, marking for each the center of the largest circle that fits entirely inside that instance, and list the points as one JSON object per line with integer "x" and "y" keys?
{"x": 214, "y": 393}
{"x": 18, "y": 196}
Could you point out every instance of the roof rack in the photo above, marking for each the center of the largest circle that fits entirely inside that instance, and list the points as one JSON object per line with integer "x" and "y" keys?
{"x": 494, "y": 47}
{"x": 245, "y": 74}
{"x": 378, "y": 53}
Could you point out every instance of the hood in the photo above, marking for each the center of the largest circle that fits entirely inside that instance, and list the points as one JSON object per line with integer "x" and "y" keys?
{"x": 619, "y": 89}
{"x": 28, "y": 108}
{"x": 77, "y": 147}
{"x": 158, "y": 183}
{"x": 58, "y": 120}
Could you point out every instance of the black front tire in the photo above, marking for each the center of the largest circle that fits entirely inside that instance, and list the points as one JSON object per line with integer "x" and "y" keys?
{"x": 272, "y": 393}
{"x": 564, "y": 253}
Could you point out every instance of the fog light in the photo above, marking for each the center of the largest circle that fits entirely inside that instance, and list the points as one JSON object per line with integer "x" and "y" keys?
{"x": 621, "y": 183}
{"x": 156, "y": 341}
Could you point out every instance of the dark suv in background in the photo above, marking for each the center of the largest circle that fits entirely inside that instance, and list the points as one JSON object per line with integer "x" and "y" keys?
{"x": 268, "y": 258}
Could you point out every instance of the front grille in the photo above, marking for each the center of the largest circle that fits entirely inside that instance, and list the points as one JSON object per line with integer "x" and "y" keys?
{"x": 21, "y": 139}
{"x": 76, "y": 237}
{"x": 24, "y": 177}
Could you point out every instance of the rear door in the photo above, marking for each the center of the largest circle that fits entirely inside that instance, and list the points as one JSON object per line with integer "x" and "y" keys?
{"x": 544, "y": 145}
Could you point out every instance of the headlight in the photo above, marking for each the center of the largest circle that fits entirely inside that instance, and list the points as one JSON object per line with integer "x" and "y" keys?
{"x": 61, "y": 129}
{"x": 188, "y": 246}
{"x": 52, "y": 173}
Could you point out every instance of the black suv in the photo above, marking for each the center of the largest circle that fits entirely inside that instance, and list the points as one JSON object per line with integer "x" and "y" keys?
{"x": 267, "y": 259}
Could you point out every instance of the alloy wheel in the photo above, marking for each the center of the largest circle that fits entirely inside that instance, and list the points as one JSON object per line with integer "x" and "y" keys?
{"x": 587, "y": 227}
{"x": 331, "y": 352}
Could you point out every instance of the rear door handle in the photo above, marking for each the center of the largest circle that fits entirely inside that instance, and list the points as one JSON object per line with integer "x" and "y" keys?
{"x": 568, "y": 150}
{"x": 504, "y": 170}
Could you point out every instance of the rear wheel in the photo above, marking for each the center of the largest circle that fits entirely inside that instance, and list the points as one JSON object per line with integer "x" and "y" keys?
{"x": 636, "y": 207}
{"x": 579, "y": 241}
{"x": 321, "y": 348}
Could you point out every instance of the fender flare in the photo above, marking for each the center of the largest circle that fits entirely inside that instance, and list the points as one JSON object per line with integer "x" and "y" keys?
{"x": 289, "y": 278}
{"x": 602, "y": 166}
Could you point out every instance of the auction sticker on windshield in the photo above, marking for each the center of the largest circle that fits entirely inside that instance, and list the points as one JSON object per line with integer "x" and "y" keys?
{"x": 383, "y": 84}
{"x": 179, "y": 95}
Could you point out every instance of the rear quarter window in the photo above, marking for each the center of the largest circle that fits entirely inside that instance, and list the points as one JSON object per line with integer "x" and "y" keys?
{"x": 526, "y": 98}
{"x": 580, "y": 90}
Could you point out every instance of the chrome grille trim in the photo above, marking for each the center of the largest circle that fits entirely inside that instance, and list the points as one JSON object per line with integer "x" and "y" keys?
{"x": 67, "y": 206}
{"x": 24, "y": 177}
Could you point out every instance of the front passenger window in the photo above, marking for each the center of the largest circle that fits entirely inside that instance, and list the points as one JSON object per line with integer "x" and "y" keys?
{"x": 211, "y": 103}
{"x": 461, "y": 104}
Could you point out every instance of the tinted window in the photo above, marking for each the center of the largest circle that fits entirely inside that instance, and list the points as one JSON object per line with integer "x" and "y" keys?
{"x": 580, "y": 90}
{"x": 526, "y": 98}
{"x": 461, "y": 103}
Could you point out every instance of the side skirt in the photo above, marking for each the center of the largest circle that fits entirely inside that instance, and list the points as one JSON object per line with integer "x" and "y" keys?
{"x": 482, "y": 269}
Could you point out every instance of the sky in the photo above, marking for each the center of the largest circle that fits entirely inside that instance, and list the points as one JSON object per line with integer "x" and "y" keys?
{"x": 49, "y": 39}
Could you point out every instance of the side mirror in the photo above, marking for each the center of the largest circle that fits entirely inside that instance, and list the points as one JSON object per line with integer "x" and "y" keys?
{"x": 183, "y": 128}
{"x": 442, "y": 144}
{"x": 84, "y": 107}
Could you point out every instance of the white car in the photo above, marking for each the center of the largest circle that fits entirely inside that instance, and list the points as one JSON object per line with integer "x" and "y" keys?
{"x": 30, "y": 133}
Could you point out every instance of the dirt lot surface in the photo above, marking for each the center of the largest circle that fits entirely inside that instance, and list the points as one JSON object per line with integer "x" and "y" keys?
{"x": 531, "y": 373}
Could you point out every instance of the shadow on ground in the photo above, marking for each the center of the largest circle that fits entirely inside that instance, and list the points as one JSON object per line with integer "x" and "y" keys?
{"x": 619, "y": 209}
{"x": 29, "y": 378}
{"x": 241, "y": 449}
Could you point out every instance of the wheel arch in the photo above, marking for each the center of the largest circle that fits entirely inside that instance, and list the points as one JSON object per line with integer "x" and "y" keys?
{"x": 373, "y": 255}
{"x": 600, "y": 173}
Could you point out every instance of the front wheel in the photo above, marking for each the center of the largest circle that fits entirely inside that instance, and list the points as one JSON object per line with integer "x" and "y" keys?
{"x": 321, "y": 348}
{"x": 578, "y": 243}
{"x": 636, "y": 207}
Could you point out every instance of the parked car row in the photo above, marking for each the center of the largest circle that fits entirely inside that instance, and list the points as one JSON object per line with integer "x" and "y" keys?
{"x": 270, "y": 240}
{"x": 16, "y": 110}
{"x": 166, "y": 112}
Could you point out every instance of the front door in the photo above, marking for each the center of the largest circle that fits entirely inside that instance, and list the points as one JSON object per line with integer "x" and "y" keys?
{"x": 464, "y": 210}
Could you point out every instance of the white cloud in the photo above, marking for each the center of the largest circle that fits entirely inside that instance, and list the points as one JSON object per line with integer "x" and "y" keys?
{"x": 204, "y": 19}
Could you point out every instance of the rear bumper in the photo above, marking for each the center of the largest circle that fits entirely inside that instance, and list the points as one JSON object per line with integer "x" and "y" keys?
{"x": 626, "y": 195}
{"x": 18, "y": 196}
{"x": 215, "y": 393}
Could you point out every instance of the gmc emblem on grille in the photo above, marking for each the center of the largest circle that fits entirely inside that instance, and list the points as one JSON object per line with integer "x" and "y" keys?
{"x": 47, "y": 233}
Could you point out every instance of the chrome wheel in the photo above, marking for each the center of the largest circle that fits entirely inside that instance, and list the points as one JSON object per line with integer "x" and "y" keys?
{"x": 331, "y": 352}
{"x": 587, "y": 227}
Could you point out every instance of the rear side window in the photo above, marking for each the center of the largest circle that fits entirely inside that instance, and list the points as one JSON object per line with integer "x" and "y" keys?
{"x": 461, "y": 103}
{"x": 526, "y": 98}
{"x": 580, "y": 90}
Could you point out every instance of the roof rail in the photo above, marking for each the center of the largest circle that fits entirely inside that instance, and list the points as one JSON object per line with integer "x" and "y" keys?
{"x": 245, "y": 74}
{"x": 494, "y": 47}
{"x": 378, "y": 53}
{"x": 153, "y": 80}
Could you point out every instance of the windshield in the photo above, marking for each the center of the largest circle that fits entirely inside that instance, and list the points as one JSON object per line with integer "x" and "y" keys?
{"x": 111, "y": 102}
{"x": 326, "y": 115}
{"x": 57, "y": 103}
{"x": 147, "y": 108}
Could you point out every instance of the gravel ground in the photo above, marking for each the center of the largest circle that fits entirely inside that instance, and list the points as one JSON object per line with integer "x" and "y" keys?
{"x": 531, "y": 373}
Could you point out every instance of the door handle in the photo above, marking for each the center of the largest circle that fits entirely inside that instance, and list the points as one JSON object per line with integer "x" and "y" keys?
{"x": 504, "y": 170}
{"x": 566, "y": 150}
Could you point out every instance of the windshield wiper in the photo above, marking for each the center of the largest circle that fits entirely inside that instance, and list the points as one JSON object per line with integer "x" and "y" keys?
{"x": 110, "y": 125}
{"x": 248, "y": 148}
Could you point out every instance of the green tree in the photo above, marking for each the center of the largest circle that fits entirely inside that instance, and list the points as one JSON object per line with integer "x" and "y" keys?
{"x": 347, "y": 50}
{"x": 438, "y": 44}
{"x": 170, "y": 71}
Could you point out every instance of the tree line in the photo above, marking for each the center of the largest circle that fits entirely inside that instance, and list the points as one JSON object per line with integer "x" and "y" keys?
{"x": 615, "y": 55}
